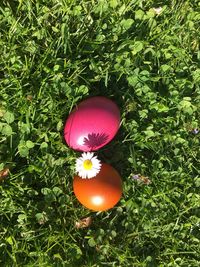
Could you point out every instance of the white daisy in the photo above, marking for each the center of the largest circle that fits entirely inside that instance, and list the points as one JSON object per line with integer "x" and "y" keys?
{"x": 157, "y": 10}
{"x": 88, "y": 166}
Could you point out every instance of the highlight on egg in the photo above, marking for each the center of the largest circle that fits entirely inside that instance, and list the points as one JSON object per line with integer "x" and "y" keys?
{"x": 92, "y": 124}
{"x": 101, "y": 192}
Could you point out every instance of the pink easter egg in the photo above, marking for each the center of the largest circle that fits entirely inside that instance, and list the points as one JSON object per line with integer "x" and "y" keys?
{"x": 92, "y": 124}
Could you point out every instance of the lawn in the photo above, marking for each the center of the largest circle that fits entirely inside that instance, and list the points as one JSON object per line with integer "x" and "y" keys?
{"x": 144, "y": 55}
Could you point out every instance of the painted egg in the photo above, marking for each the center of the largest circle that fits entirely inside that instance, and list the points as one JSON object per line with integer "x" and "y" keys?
{"x": 92, "y": 124}
{"x": 101, "y": 192}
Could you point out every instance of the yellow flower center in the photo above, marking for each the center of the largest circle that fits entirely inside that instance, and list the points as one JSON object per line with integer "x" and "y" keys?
{"x": 87, "y": 164}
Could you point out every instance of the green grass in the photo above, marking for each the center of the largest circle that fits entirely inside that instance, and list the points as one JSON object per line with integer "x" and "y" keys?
{"x": 55, "y": 53}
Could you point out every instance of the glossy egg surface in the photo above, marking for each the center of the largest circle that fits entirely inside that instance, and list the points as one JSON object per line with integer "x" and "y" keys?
{"x": 92, "y": 124}
{"x": 101, "y": 192}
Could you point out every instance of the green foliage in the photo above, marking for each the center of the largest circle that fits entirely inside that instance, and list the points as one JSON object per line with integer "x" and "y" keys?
{"x": 54, "y": 54}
